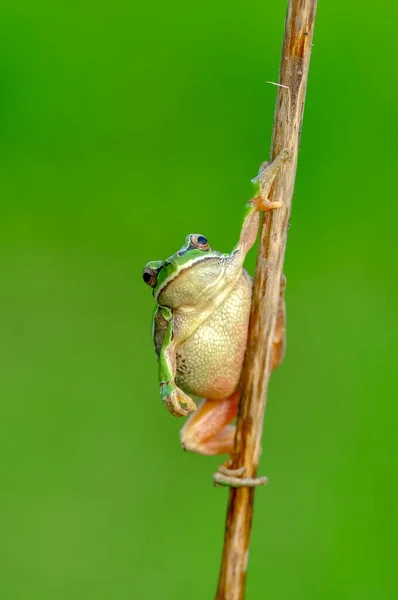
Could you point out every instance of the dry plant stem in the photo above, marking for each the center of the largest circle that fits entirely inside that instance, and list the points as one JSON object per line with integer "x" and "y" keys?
{"x": 295, "y": 59}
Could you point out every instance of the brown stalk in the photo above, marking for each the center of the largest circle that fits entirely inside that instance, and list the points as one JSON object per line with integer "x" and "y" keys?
{"x": 295, "y": 60}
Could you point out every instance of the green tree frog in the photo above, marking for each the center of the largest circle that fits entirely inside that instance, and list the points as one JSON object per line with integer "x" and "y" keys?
{"x": 201, "y": 323}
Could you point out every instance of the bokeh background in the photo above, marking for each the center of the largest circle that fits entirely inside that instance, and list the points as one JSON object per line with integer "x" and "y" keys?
{"x": 124, "y": 126}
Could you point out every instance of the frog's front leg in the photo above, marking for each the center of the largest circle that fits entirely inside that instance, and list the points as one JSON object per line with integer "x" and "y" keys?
{"x": 172, "y": 396}
{"x": 266, "y": 178}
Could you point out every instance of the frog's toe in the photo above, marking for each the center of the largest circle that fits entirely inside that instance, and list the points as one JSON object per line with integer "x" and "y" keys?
{"x": 173, "y": 404}
{"x": 224, "y": 470}
{"x": 234, "y": 478}
{"x": 174, "y": 407}
{"x": 189, "y": 403}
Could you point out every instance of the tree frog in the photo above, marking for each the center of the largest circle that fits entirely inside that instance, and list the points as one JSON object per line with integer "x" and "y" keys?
{"x": 201, "y": 323}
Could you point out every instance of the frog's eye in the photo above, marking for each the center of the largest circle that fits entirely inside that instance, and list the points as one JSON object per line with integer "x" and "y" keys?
{"x": 200, "y": 242}
{"x": 150, "y": 276}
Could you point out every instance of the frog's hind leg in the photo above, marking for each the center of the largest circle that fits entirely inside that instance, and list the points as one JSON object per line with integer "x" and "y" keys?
{"x": 280, "y": 328}
{"x": 208, "y": 431}
{"x": 236, "y": 477}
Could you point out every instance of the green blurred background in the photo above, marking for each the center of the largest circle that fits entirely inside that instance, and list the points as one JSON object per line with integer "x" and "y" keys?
{"x": 125, "y": 126}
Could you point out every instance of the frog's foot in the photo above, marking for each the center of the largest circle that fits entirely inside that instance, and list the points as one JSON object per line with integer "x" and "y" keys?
{"x": 173, "y": 400}
{"x": 265, "y": 178}
{"x": 235, "y": 478}
{"x": 266, "y": 204}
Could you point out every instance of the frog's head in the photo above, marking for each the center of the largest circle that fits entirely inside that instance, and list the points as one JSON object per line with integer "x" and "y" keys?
{"x": 188, "y": 278}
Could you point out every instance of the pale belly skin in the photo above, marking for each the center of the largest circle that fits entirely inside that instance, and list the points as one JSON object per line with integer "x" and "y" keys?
{"x": 209, "y": 362}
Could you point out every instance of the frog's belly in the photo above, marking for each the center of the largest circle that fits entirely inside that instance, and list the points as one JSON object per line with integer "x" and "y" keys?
{"x": 209, "y": 363}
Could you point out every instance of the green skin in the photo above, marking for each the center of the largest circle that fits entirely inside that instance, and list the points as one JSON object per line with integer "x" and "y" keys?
{"x": 189, "y": 288}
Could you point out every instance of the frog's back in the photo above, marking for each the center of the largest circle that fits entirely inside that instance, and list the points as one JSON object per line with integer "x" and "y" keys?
{"x": 209, "y": 362}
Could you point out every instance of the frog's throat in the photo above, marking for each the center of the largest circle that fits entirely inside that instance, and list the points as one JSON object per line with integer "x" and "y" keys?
{"x": 187, "y": 265}
{"x": 205, "y": 312}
